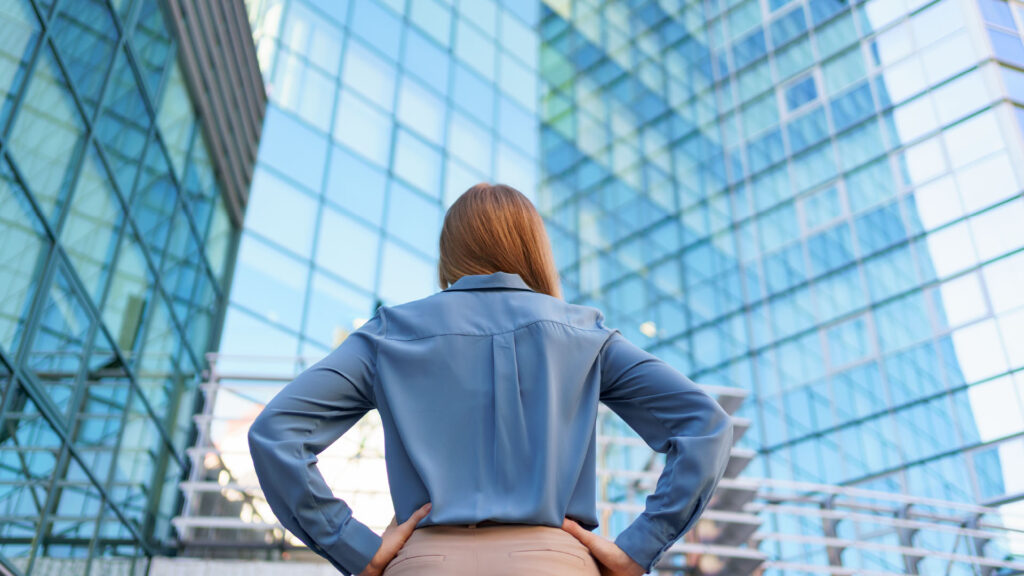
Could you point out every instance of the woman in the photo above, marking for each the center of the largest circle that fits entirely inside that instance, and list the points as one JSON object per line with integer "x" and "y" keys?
{"x": 488, "y": 393}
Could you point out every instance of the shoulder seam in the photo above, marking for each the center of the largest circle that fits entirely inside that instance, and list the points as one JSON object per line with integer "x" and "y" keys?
{"x": 505, "y": 331}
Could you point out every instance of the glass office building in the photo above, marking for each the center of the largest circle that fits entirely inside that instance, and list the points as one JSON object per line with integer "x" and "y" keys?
{"x": 116, "y": 232}
{"x": 818, "y": 201}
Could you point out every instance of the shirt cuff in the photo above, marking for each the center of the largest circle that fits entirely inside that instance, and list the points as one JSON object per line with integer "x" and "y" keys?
{"x": 644, "y": 542}
{"x": 355, "y": 546}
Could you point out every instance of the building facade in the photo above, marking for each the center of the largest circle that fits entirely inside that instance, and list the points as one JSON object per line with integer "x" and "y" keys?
{"x": 817, "y": 201}
{"x": 119, "y": 213}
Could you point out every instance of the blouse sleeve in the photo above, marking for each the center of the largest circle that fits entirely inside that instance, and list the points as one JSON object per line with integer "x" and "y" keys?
{"x": 300, "y": 422}
{"x": 674, "y": 417}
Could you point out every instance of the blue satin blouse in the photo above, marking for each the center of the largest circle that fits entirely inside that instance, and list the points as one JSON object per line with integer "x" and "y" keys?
{"x": 488, "y": 393}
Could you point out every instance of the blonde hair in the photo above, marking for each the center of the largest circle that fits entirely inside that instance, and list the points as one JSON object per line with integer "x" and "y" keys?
{"x": 492, "y": 228}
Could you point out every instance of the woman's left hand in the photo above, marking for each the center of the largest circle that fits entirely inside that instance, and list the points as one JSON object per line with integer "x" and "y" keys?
{"x": 393, "y": 539}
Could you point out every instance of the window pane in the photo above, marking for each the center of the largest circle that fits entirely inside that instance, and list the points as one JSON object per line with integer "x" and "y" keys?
{"x": 21, "y": 259}
{"x": 270, "y": 283}
{"x": 281, "y": 213}
{"x": 414, "y": 219}
{"x": 356, "y": 185}
{"x": 421, "y": 110}
{"x": 19, "y": 32}
{"x": 347, "y": 248}
{"x": 363, "y": 129}
{"x": 46, "y": 138}
{"x": 294, "y": 149}
{"x": 90, "y": 230}
{"x": 85, "y": 37}
{"x": 418, "y": 163}
{"x": 369, "y": 74}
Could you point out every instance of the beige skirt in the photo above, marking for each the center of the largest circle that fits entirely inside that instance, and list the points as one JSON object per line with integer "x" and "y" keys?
{"x": 492, "y": 550}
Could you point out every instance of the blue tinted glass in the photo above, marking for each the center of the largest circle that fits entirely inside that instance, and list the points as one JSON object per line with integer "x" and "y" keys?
{"x": 475, "y": 48}
{"x": 528, "y": 11}
{"x": 378, "y": 26}
{"x": 852, "y": 107}
{"x": 418, "y": 163}
{"x": 434, "y": 18}
{"x": 776, "y": 4}
{"x": 414, "y": 219}
{"x": 822, "y": 10}
{"x": 355, "y": 185}
{"x": 801, "y": 93}
{"x": 369, "y": 74}
{"x": 789, "y": 26}
{"x": 749, "y": 49}
{"x": 830, "y": 249}
{"x": 152, "y": 45}
{"x": 426, "y": 60}
{"x": 765, "y": 151}
{"x": 807, "y": 130}
{"x": 997, "y": 12}
{"x": 292, "y": 148}
{"x": 520, "y": 127}
{"x": 85, "y": 37}
{"x": 822, "y": 207}
{"x": 474, "y": 94}
{"x": 363, "y": 128}
{"x": 880, "y": 228}
{"x": 1008, "y": 47}
{"x": 336, "y": 9}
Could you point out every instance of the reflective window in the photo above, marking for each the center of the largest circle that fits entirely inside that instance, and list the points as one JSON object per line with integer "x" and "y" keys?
{"x": 474, "y": 48}
{"x": 151, "y": 43}
{"x": 46, "y": 137}
{"x": 89, "y": 235}
{"x": 31, "y": 447}
{"x": 973, "y": 138}
{"x": 335, "y": 310}
{"x": 801, "y": 92}
{"x": 356, "y": 186}
{"x": 427, "y": 61}
{"x": 362, "y": 128}
{"x": 281, "y": 213}
{"x": 483, "y": 13}
{"x": 369, "y": 74}
{"x": 404, "y": 276}
{"x": 176, "y": 118}
{"x": 470, "y": 142}
{"x": 316, "y": 38}
{"x": 294, "y": 149}
{"x": 128, "y": 296}
{"x": 789, "y": 26}
{"x": 421, "y": 110}
{"x": 154, "y": 201}
{"x": 85, "y": 38}
{"x": 55, "y": 355}
{"x": 418, "y": 163}
{"x": 275, "y": 282}
{"x": 347, "y": 248}
{"x": 378, "y": 26}
{"x": 414, "y": 219}
{"x": 304, "y": 90}
{"x": 519, "y": 82}
{"x": 23, "y": 239}
{"x": 123, "y": 124}
{"x": 433, "y": 17}
{"x": 20, "y": 34}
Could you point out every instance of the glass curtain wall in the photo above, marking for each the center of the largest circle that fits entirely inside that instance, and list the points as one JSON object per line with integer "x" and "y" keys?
{"x": 819, "y": 201}
{"x": 114, "y": 251}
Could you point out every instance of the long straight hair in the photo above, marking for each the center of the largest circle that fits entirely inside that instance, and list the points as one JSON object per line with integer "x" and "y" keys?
{"x": 495, "y": 228}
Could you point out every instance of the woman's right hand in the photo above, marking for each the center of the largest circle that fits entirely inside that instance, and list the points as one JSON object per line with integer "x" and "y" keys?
{"x": 611, "y": 559}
